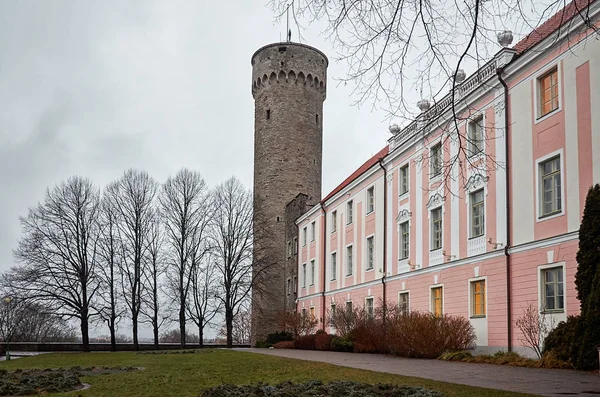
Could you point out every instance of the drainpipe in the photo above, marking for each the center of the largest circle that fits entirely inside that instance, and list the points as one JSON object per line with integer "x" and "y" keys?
{"x": 499, "y": 72}
{"x": 380, "y": 162}
{"x": 323, "y": 264}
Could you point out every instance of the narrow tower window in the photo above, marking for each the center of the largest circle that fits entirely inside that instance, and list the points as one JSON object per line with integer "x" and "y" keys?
{"x": 317, "y": 119}
{"x": 268, "y": 114}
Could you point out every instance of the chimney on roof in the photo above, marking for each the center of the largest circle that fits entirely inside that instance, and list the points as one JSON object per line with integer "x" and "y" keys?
{"x": 505, "y": 38}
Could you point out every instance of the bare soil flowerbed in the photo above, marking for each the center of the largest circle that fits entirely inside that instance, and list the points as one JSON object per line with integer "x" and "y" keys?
{"x": 319, "y": 389}
{"x": 49, "y": 380}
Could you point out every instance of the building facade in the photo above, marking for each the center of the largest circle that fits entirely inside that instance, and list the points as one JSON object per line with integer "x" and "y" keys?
{"x": 289, "y": 87}
{"x": 476, "y": 216}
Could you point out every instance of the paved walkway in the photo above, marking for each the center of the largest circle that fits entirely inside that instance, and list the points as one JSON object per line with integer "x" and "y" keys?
{"x": 545, "y": 382}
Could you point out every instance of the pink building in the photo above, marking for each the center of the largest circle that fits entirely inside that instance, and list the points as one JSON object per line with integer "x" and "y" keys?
{"x": 479, "y": 229}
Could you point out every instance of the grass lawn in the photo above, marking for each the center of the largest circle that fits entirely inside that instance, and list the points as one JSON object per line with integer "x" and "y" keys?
{"x": 188, "y": 374}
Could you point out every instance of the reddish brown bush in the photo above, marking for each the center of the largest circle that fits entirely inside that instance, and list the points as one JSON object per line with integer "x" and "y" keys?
{"x": 323, "y": 341}
{"x": 306, "y": 342}
{"x": 368, "y": 337}
{"x": 288, "y": 344}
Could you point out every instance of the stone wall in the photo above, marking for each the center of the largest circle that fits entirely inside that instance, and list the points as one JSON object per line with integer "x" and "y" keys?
{"x": 289, "y": 87}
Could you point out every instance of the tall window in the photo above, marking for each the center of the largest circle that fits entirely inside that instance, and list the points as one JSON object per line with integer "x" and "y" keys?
{"x": 304, "y": 275}
{"x": 404, "y": 180}
{"x": 370, "y": 253}
{"x": 548, "y": 89}
{"x": 289, "y": 286}
{"x": 403, "y": 302}
{"x": 477, "y": 214}
{"x": 553, "y": 289}
{"x": 476, "y": 139}
{"x": 333, "y": 221}
{"x": 304, "y": 236}
{"x": 295, "y": 245}
{"x": 435, "y": 160}
{"x": 349, "y": 212}
{"x": 312, "y": 313}
{"x": 289, "y": 249}
{"x": 370, "y": 308}
{"x": 303, "y": 313}
{"x": 349, "y": 265}
{"x": 370, "y": 199}
{"x": 333, "y": 265}
{"x": 404, "y": 240}
{"x": 332, "y": 315}
{"x": 550, "y": 200}
{"x": 295, "y": 284}
{"x": 436, "y": 228}
{"x": 312, "y": 272}
{"x": 313, "y": 231}
{"x": 478, "y": 298}
{"x": 437, "y": 301}
{"x": 349, "y": 306}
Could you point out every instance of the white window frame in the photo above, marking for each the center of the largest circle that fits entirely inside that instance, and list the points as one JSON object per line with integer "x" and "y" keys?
{"x": 542, "y": 292}
{"x": 349, "y": 212}
{"x": 370, "y": 315}
{"x": 538, "y": 181}
{"x": 402, "y": 167}
{"x": 441, "y": 208}
{"x": 313, "y": 230}
{"x": 431, "y": 306}
{"x": 304, "y": 275}
{"x": 332, "y": 265}
{"x": 470, "y": 215}
{"x": 470, "y": 286}
{"x": 334, "y": 221}
{"x": 401, "y": 241}
{"x": 537, "y": 91}
{"x": 350, "y": 248}
{"x": 332, "y": 309}
{"x": 407, "y": 293}
{"x": 295, "y": 246}
{"x": 432, "y": 176}
{"x": 304, "y": 237}
{"x": 370, "y": 266}
{"x": 471, "y": 123}
{"x": 370, "y": 200}
{"x": 312, "y": 272}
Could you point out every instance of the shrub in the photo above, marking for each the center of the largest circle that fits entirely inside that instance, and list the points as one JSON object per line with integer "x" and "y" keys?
{"x": 323, "y": 341}
{"x": 456, "y": 356}
{"x": 561, "y": 341}
{"x": 279, "y": 336}
{"x": 320, "y": 332}
{"x": 340, "y": 344}
{"x": 261, "y": 344}
{"x": 306, "y": 342}
{"x": 286, "y": 344}
{"x": 296, "y": 323}
{"x": 368, "y": 337}
{"x": 551, "y": 360}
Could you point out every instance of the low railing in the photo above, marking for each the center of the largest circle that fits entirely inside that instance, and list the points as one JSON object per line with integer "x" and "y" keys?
{"x": 103, "y": 347}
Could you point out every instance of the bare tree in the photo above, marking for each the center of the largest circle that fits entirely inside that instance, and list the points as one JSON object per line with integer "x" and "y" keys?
{"x": 153, "y": 273}
{"x": 185, "y": 207}
{"x": 231, "y": 240}
{"x": 534, "y": 326}
{"x": 133, "y": 199}
{"x": 241, "y": 329}
{"x": 203, "y": 303}
{"x": 58, "y": 252}
{"x": 108, "y": 301}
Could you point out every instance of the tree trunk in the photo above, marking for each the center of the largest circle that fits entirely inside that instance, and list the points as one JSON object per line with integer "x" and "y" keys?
{"x": 182, "y": 324}
{"x": 85, "y": 338}
{"x": 155, "y": 330}
{"x": 134, "y": 321}
{"x": 229, "y": 325}
{"x": 201, "y": 336}
{"x": 113, "y": 337}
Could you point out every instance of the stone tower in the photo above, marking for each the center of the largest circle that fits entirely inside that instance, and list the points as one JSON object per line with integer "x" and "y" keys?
{"x": 289, "y": 87}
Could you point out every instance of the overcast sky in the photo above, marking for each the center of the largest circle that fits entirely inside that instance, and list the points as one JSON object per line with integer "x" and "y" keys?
{"x": 93, "y": 88}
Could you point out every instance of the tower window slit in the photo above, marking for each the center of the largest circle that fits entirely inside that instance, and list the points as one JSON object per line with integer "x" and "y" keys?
{"x": 317, "y": 118}
{"x": 268, "y": 114}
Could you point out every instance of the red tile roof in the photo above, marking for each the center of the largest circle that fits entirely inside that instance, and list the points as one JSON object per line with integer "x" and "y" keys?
{"x": 553, "y": 23}
{"x": 361, "y": 170}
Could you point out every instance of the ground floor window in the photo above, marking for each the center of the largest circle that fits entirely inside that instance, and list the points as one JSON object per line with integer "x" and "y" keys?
{"x": 478, "y": 298}
{"x": 370, "y": 308}
{"x": 437, "y": 303}
{"x": 403, "y": 302}
{"x": 553, "y": 294}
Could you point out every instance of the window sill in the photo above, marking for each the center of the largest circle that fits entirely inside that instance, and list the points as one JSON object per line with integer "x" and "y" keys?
{"x": 402, "y": 196}
{"x": 348, "y": 275}
{"x": 549, "y": 216}
{"x": 479, "y": 316}
{"x": 333, "y": 279}
{"x": 435, "y": 178}
{"x": 545, "y": 116}
{"x": 333, "y": 231}
{"x": 557, "y": 311}
{"x": 348, "y": 223}
{"x": 312, "y": 285}
{"x": 474, "y": 237}
{"x": 435, "y": 249}
{"x": 369, "y": 213}
{"x": 369, "y": 269}
{"x": 476, "y": 156}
